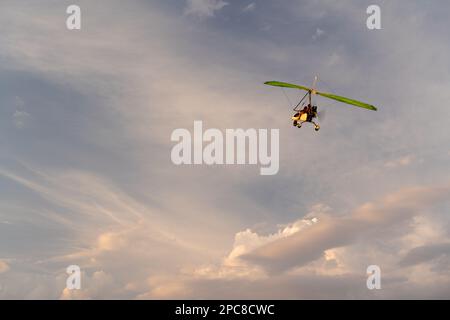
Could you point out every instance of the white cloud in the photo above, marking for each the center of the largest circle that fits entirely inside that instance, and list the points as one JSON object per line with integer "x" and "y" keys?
{"x": 308, "y": 247}
{"x": 245, "y": 242}
{"x": 93, "y": 286}
{"x": 319, "y": 33}
{"x": 250, "y": 7}
{"x": 204, "y": 8}
{"x": 302, "y": 248}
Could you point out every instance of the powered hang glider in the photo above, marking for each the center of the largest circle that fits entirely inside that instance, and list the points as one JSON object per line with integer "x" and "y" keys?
{"x": 309, "y": 111}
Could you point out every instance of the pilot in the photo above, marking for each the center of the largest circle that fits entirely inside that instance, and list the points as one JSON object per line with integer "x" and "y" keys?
{"x": 309, "y": 112}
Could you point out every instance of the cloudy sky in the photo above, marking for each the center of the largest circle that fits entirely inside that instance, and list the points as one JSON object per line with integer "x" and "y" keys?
{"x": 86, "y": 177}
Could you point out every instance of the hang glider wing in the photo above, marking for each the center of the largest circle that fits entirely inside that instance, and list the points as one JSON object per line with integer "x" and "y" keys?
{"x": 326, "y": 95}
{"x": 286, "y": 85}
{"x": 348, "y": 101}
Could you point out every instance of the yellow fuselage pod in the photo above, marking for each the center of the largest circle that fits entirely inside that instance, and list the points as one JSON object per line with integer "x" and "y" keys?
{"x": 301, "y": 117}
{"x": 304, "y": 117}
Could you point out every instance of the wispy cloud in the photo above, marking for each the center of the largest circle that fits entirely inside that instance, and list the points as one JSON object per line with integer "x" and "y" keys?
{"x": 203, "y": 8}
{"x": 400, "y": 162}
{"x": 319, "y": 33}
{"x": 104, "y": 225}
{"x": 250, "y": 7}
{"x": 20, "y": 116}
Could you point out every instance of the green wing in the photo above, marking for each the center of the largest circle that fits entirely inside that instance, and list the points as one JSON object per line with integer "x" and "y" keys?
{"x": 347, "y": 100}
{"x": 286, "y": 85}
{"x": 326, "y": 95}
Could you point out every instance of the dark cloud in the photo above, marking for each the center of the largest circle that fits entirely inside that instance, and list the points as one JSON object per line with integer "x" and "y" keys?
{"x": 425, "y": 253}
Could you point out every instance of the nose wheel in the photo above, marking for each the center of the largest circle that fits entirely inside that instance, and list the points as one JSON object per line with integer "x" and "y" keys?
{"x": 297, "y": 124}
{"x": 316, "y": 126}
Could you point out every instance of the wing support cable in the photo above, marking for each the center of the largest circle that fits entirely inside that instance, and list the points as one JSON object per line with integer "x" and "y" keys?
{"x": 295, "y": 109}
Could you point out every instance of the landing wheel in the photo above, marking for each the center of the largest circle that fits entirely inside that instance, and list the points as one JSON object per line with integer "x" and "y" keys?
{"x": 299, "y": 126}
{"x": 295, "y": 123}
{"x": 317, "y": 128}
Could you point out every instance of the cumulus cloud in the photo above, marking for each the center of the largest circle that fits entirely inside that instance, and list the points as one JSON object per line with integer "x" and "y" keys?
{"x": 92, "y": 287}
{"x": 315, "y": 257}
{"x": 204, "y": 8}
{"x": 304, "y": 247}
{"x": 245, "y": 242}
